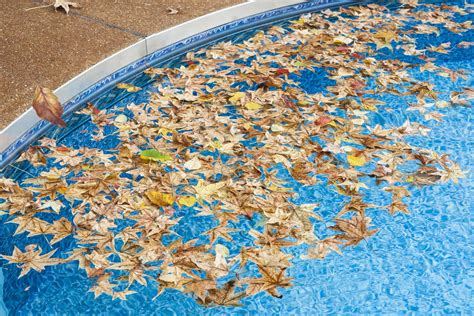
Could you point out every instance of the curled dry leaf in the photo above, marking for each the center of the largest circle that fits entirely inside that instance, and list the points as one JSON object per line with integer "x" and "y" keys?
{"x": 65, "y": 5}
{"x": 48, "y": 107}
{"x": 172, "y": 11}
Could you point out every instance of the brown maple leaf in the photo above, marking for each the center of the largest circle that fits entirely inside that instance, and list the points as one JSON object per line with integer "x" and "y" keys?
{"x": 48, "y": 107}
{"x": 224, "y": 296}
{"x": 354, "y": 230}
{"x": 31, "y": 259}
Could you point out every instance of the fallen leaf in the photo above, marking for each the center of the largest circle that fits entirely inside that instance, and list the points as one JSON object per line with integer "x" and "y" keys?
{"x": 155, "y": 155}
{"x": 356, "y": 161}
{"x": 253, "y": 106}
{"x": 186, "y": 201}
{"x": 129, "y": 87}
{"x": 236, "y": 97}
{"x": 160, "y": 199}
{"x": 65, "y": 5}
{"x": 172, "y": 11}
{"x": 48, "y": 107}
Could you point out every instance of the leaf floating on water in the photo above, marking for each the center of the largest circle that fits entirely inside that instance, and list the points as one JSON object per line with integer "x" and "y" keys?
{"x": 356, "y": 161}
{"x": 31, "y": 259}
{"x": 354, "y": 230}
{"x": 253, "y": 106}
{"x": 236, "y": 97}
{"x": 155, "y": 155}
{"x": 48, "y": 107}
{"x": 187, "y": 201}
{"x": 129, "y": 87}
{"x": 342, "y": 40}
{"x": 206, "y": 191}
{"x": 60, "y": 230}
{"x": 159, "y": 198}
{"x": 226, "y": 296}
{"x": 193, "y": 164}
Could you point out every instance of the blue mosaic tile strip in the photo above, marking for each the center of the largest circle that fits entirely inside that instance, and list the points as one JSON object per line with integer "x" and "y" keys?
{"x": 81, "y": 99}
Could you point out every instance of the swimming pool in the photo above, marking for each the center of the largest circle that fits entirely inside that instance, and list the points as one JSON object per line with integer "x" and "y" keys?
{"x": 418, "y": 262}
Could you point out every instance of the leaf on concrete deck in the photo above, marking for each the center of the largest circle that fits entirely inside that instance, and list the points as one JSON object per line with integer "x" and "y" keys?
{"x": 65, "y": 5}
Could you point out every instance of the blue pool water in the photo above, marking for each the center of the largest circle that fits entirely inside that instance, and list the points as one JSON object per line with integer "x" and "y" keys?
{"x": 417, "y": 263}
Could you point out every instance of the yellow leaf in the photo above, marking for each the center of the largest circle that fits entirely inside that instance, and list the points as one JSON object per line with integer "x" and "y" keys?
{"x": 342, "y": 40}
{"x": 160, "y": 199}
{"x": 332, "y": 123}
{"x": 253, "y": 106}
{"x": 165, "y": 131}
{"x": 187, "y": 201}
{"x": 236, "y": 97}
{"x": 274, "y": 188}
{"x": 356, "y": 161}
{"x": 128, "y": 87}
{"x": 299, "y": 64}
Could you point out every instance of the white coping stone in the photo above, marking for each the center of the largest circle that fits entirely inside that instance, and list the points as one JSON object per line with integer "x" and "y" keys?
{"x": 136, "y": 51}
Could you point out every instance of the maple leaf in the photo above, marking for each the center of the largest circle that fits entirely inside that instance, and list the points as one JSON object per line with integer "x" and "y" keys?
{"x": 159, "y": 198}
{"x": 323, "y": 248}
{"x": 224, "y": 296}
{"x": 48, "y": 107}
{"x": 60, "y": 230}
{"x": 122, "y": 295}
{"x": 31, "y": 224}
{"x": 271, "y": 280}
{"x": 65, "y": 5}
{"x": 31, "y": 259}
{"x": 354, "y": 230}
{"x": 103, "y": 286}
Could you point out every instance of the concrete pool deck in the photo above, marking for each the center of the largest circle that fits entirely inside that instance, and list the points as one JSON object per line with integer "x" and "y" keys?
{"x": 44, "y": 47}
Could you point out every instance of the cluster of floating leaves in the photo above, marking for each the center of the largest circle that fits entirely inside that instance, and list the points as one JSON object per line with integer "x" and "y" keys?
{"x": 208, "y": 140}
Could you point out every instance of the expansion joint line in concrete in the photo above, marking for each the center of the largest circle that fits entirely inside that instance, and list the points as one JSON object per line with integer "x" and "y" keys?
{"x": 107, "y": 24}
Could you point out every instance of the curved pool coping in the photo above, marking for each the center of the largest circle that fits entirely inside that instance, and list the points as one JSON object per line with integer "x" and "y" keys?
{"x": 157, "y": 47}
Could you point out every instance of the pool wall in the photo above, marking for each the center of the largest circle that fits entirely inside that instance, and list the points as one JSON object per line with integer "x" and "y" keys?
{"x": 3, "y": 309}
{"x": 148, "y": 51}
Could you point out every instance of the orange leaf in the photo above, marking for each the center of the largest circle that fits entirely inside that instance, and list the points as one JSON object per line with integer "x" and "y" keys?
{"x": 48, "y": 107}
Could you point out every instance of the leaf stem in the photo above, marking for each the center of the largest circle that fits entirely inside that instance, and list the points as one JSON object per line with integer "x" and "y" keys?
{"x": 40, "y": 7}
{"x": 22, "y": 170}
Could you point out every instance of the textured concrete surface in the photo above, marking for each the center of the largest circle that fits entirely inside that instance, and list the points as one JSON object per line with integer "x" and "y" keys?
{"x": 44, "y": 47}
